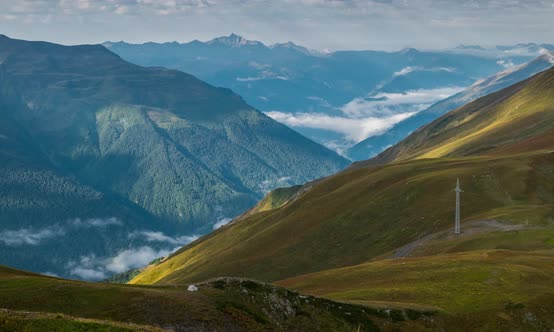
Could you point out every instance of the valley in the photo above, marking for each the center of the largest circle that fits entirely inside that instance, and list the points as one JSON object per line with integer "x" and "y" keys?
{"x": 380, "y": 233}
{"x": 229, "y": 184}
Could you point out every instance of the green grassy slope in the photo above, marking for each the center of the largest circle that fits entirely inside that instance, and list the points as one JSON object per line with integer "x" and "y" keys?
{"x": 491, "y": 290}
{"x": 459, "y": 282}
{"x": 364, "y": 213}
{"x": 517, "y": 115}
{"x": 275, "y": 199}
{"x": 30, "y": 302}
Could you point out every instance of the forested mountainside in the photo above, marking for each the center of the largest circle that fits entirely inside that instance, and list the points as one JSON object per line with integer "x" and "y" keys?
{"x": 85, "y": 135}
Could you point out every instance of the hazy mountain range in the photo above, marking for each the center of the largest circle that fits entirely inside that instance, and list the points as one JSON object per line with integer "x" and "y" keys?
{"x": 338, "y": 98}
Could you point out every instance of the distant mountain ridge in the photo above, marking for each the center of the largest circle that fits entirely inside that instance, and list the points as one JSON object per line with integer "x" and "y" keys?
{"x": 308, "y": 89}
{"x": 498, "y": 51}
{"x": 232, "y": 40}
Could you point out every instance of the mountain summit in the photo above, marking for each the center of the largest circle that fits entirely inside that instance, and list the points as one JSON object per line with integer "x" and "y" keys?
{"x": 234, "y": 40}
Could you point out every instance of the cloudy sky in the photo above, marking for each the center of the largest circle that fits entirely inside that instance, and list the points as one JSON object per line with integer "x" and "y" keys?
{"x": 319, "y": 24}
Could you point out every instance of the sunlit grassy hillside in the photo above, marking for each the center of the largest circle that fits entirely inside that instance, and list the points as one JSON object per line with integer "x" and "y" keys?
{"x": 365, "y": 213}
{"x": 489, "y": 290}
{"x": 460, "y": 282}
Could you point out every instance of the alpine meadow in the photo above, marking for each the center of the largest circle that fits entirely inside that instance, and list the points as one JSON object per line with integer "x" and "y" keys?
{"x": 276, "y": 165}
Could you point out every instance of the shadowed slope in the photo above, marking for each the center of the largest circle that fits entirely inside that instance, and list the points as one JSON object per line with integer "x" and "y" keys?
{"x": 224, "y": 304}
{"x": 178, "y": 147}
{"x": 87, "y": 135}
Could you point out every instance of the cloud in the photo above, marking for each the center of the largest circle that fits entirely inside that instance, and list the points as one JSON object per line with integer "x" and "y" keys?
{"x": 153, "y": 236}
{"x": 259, "y": 66}
{"x": 90, "y": 267}
{"x": 264, "y": 75}
{"x": 221, "y": 222}
{"x": 339, "y": 146}
{"x": 367, "y": 116}
{"x": 29, "y": 236}
{"x": 331, "y": 24}
{"x": 88, "y": 273}
{"x": 321, "y": 101}
{"x": 120, "y": 10}
{"x": 506, "y": 63}
{"x": 36, "y": 236}
{"x": 407, "y": 70}
{"x": 383, "y": 104}
{"x": 354, "y": 129}
{"x": 131, "y": 259}
{"x": 95, "y": 222}
{"x": 268, "y": 185}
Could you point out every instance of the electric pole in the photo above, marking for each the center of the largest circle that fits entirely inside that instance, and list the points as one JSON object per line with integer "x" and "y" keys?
{"x": 457, "y": 228}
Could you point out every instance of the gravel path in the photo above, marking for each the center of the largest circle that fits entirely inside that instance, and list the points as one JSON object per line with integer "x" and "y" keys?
{"x": 472, "y": 227}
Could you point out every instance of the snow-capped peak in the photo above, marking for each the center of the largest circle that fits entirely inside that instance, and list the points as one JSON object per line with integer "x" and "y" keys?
{"x": 549, "y": 57}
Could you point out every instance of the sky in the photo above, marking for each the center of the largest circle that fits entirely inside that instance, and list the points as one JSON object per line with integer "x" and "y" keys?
{"x": 318, "y": 24}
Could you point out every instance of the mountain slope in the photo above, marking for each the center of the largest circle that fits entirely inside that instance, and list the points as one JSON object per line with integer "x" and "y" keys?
{"x": 367, "y": 213}
{"x": 40, "y": 204}
{"x": 183, "y": 150}
{"x": 516, "y": 117}
{"x": 376, "y": 144}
